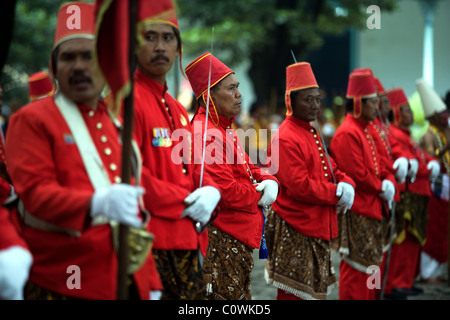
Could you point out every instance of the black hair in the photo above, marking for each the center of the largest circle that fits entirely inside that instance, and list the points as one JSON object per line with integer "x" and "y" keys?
{"x": 391, "y": 116}
{"x": 292, "y": 96}
{"x": 349, "y": 104}
{"x": 178, "y": 36}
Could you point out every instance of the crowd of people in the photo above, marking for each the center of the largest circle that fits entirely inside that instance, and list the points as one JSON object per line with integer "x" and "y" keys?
{"x": 197, "y": 205}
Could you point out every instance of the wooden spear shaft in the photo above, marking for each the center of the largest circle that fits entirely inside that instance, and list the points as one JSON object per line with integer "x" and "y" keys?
{"x": 127, "y": 134}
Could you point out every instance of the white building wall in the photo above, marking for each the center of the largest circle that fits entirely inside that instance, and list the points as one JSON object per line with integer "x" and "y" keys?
{"x": 395, "y": 51}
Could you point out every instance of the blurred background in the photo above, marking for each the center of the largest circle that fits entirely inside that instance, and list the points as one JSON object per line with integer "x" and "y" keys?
{"x": 402, "y": 41}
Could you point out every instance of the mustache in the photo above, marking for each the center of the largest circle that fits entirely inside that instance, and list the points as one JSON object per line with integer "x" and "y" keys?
{"x": 79, "y": 77}
{"x": 160, "y": 56}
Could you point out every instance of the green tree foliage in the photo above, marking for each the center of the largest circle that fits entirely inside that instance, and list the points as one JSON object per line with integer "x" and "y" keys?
{"x": 265, "y": 31}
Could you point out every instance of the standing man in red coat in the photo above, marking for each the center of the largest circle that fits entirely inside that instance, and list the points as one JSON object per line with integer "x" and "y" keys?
{"x": 245, "y": 188}
{"x": 64, "y": 156}
{"x": 355, "y": 152}
{"x": 170, "y": 176}
{"x": 304, "y": 220}
{"x": 412, "y": 210}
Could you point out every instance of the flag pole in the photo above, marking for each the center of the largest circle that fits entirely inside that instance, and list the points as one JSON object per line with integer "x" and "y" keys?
{"x": 127, "y": 133}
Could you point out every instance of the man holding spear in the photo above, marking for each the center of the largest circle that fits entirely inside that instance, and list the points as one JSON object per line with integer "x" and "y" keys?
{"x": 64, "y": 153}
{"x": 245, "y": 188}
{"x": 174, "y": 195}
{"x": 355, "y": 152}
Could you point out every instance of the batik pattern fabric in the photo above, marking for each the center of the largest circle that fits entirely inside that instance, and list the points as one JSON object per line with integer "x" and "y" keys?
{"x": 227, "y": 267}
{"x": 181, "y": 274}
{"x": 298, "y": 264}
{"x": 360, "y": 240}
{"x": 412, "y": 213}
{"x": 34, "y": 292}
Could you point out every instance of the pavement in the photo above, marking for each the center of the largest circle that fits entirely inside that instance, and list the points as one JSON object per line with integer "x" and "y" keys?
{"x": 262, "y": 291}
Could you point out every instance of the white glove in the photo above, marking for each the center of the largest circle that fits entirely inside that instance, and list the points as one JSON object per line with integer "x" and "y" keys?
{"x": 387, "y": 192}
{"x": 269, "y": 192}
{"x": 201, "y": 203}
{"x": 412, "y": 171}
{"x": 401, "y": 167}
{"x": 15, "y": 264}
{"x": 435, "y": 168}
{"x": 346, "y": 192}
{"x": 118, "y": 202}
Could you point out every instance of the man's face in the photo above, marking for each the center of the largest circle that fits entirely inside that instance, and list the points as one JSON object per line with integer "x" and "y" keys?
{"x": 369, "y": 109}
{"x": 306, "y": 104}
{"x": 78, "y": 78}
{"x": 384, "y": 106}
{"x": 406, "y": 116}
{"x": 159, "y": 52}
{"x": 227, "y": 97}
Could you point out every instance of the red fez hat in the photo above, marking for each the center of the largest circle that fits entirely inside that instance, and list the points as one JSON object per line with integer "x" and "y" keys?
{"x": 161, "y": 11}
{"x": 198, "y": 75}
{"x": 299, "y": 76}
{"x": 75, "y": 20}
{"x": 379, "y": 86}
{"x": 361, "y": 84}
{"x": 358, "y": 70}
{"x": 198, "y": 71}
{"x": 397, "y": 99}
{"x": 40, "y": 86}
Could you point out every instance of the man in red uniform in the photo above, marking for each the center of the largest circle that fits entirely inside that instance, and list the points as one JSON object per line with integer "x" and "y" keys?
{"x": 245, "y": 188}
{"x": 66, "y": 174}
{"x": 171, "y": 178}
{"x": 435, "y": 142}
{"x": 354, "y": 150}
{"x": 304, "y": 220}
{"x": 15, "y": 259}
{"x": 412, "y": 208}
{"x": 380, "y": 130}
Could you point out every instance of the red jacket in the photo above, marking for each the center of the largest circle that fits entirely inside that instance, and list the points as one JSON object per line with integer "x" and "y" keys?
{"x": 231, "y": 168}
{"x": 307, "y": 200}
{"x": 412, "y": 150}
{"x": 51, "y": 180}
{"x": 385, "y": 144}
{"x": 169, "y": 173}
{"x": 354, "y": 150}
{"x": 9, "y": 236}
